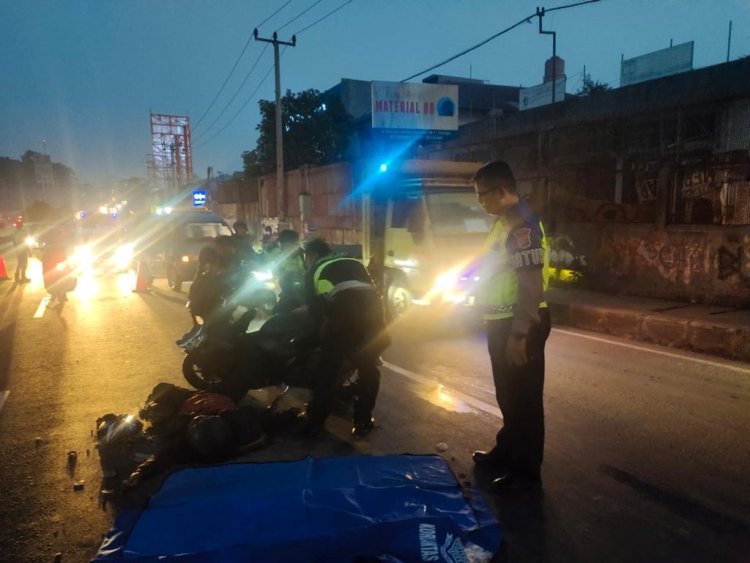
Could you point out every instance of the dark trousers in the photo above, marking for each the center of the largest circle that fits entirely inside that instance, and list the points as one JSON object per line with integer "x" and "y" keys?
{"x": 353, "y": 332}
{"x": 519, "y": 393}
{"x": 23, "y": 263}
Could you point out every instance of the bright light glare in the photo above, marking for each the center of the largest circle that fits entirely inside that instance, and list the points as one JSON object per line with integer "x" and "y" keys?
{"x": 30, "y": 241}
{"x": 87, "y": 287}
{"x": 123, "y": 256}
{"x": 383, "y": 167}
{"x": 262, "y": 276}
{"x": 83, "y": 258}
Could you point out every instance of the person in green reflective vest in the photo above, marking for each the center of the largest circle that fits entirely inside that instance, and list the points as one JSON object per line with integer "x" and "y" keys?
{"x": 343, "y": 300}
{"x": 513, "y": 277}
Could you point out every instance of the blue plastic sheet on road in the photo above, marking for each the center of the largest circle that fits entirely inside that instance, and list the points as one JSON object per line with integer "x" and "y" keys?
{"x": 393, "y": 508}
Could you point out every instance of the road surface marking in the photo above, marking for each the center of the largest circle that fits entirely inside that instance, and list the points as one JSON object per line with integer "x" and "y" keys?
{"x": 429, "y": 382}
{"x": 685, "y": 356}
{"x": 3, "y": 396}
{"x": 42, "y": 307}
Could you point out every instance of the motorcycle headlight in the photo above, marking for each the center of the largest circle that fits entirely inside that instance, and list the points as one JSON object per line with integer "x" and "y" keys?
{"x": 262, "y": 275}
{"x": 446, "y": 281}
{"x": 30, "y": 242}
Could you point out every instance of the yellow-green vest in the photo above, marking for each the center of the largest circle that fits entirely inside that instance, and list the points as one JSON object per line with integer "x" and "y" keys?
{"x": 499, "y": 282}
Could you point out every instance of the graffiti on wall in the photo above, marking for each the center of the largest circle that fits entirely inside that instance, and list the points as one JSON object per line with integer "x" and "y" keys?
{"x": 675, "y": 263}
{"x": 734, "y": 261}
{"x": 691, "y": 262}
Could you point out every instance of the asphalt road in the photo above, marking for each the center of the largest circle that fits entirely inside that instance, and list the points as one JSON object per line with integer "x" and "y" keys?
{"x": 646, "y": 458}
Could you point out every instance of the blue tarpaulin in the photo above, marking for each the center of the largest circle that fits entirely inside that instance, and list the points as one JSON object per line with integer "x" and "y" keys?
{"x": 391, "y": 508}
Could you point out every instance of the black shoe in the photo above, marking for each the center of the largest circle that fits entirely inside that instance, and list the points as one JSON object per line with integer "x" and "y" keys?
{"x": 308, "y": 428}
{"x": 514, "y": 482}
{"x": 488, "y": 458}
{"x": 361, "y": 429}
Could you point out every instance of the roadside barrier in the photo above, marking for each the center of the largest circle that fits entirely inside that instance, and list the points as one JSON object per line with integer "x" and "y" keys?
{"x": 3, "y": 269}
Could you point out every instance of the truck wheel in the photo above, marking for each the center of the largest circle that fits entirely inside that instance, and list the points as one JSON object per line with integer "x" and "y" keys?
{"x": 173, "y": 280}
{"x": 399, "y": 299}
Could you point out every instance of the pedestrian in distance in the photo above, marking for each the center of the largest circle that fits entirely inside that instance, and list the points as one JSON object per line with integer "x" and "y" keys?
{"x": 343, "y": 301}
{"x": 22, "y": 253}
{"x": 513, "y": 277}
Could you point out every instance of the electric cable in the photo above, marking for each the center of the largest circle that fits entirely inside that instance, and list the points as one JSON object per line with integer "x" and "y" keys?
{"x": 324, "y": 17}
{"x": 298, "y": 16}
{"x": 527, "y": 19}
{"x": 249, "y": 99}
{"x": 226, "y": 80}
{"x": 226, "y": 106}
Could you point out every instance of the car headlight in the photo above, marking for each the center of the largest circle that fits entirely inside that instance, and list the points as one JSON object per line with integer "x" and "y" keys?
{"x": 83, "y": 256}
{"x": 446, "y": 282}
{"x": 123, "y": 255}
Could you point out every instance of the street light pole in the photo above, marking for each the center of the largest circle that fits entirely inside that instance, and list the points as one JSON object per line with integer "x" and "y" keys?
{"x": 280, "y": 184}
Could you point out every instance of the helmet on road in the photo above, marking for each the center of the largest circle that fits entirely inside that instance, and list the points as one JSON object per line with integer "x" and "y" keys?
{"x": 210, "y": 436}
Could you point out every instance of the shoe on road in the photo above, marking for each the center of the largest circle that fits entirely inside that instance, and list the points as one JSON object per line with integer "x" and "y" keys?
{"x": 511, "y": 482}
{"x": 361, "y": 429}
{"x": 489, "y": 458}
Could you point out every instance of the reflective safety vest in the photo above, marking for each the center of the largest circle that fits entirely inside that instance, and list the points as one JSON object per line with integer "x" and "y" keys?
{"x": 328, "y": 288}
{"x": 498, "y": 293}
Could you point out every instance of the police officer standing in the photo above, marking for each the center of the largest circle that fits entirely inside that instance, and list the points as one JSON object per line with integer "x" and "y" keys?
{"x": 514, "y": 276}
{"x": 342, "y": 298}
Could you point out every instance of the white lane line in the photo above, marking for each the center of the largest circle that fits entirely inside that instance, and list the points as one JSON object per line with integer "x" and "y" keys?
{"x": 3, "y": 396}
{"x": 431, "y": 383}
{"x": 685, "y": 356}
{"x": 42, "y": 307}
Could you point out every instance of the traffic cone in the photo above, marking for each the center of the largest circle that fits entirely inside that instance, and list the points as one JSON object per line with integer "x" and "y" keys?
{"x": 3, "y": 269}
{"x": 141, "y": 277}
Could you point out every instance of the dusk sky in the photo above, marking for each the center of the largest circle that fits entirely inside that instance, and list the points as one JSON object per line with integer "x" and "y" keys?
{"x": 82, "y": 74}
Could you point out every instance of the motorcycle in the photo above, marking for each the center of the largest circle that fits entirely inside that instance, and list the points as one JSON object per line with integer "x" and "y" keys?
{"x": 247, "y": 349}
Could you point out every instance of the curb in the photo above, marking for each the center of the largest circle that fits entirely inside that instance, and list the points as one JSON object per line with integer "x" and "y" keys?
{"x": 696, "y": 335}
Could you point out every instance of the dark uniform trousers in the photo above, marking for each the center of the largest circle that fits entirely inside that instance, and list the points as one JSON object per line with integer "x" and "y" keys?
{"x": 353, "y": 331}
{"x": 519, "y": 393}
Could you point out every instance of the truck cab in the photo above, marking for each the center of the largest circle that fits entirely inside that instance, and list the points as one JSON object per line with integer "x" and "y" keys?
{"x": 423, "y": 230}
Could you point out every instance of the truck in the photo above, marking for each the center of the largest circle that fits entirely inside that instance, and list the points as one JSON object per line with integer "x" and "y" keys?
{"x": 416, "y": 224}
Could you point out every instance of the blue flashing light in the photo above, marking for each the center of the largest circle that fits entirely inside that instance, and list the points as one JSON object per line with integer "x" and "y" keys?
{"x": 384, "y": 167}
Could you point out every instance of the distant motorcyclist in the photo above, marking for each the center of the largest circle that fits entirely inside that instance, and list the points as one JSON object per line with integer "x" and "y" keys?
{"x": 58, "y": 275}
{"x": 342, "y": 298}
{"x": 243, "y": 245}
{"x": 209, "y": 289}
{"x": 288, "y": 264}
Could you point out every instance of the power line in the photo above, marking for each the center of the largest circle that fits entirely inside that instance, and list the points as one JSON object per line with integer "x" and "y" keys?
{"x": 226, "y": 80}
{"x": 226, "y": 106}
{"x": 298, "y": 16}
{"x": 324, "y": 17}
{"x": 249, "y": 99}
{"x": 527, "y": 19}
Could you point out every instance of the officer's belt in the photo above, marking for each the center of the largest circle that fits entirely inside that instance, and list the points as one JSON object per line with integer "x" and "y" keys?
{"x": 350, "y": 284}
{"x": 499, "y": 308}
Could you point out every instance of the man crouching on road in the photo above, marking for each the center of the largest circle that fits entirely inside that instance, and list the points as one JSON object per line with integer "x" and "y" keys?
{"x": 514, "y": 275}
{"x": 341, "y": 296}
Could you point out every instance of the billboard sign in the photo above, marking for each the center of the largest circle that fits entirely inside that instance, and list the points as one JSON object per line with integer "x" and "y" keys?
{"x": 541, "y": 94}
{"x": 415, "y": 108}
{"x": 199, "y": 198}
{"x": 664, "y": 62}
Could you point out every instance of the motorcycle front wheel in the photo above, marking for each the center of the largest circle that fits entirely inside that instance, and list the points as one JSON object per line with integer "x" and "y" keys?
{"x": 196, "y": 376}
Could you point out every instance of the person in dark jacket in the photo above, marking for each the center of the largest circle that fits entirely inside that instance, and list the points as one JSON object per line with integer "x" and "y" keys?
{"x": 342, "y": 299}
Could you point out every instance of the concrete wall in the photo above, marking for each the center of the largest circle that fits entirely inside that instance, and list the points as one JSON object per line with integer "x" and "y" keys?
{"x": 709, "y": 264}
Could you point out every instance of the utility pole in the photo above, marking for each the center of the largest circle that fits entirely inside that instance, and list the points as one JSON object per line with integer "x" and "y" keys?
{"x": 540, "y": 15}
{"x": 280, "y": 187}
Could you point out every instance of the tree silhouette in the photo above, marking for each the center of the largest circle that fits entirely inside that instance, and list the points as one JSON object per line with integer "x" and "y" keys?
{"x": 316, "y": 130}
